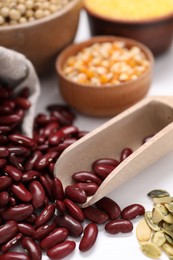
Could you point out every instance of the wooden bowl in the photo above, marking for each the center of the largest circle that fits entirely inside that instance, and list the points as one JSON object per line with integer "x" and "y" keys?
{"x": 156, "y": 33}
{"x": 100, "y": 100}
{"x": 41, "y": 40}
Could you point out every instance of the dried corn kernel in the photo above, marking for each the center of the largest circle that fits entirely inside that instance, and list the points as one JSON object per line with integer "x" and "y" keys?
{"x": 106, "y": 64}
{"x": 131, "y": 10}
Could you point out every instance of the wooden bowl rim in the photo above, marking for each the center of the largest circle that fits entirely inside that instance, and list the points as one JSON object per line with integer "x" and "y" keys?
{"x": 131, "y": 22}
{"x": 43, "y": 20}
{"x": 97, "y": 39}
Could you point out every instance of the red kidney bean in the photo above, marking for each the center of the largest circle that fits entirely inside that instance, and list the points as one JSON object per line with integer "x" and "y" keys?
{"x": 13, "y": 242}
{"x": 74, "y": 210}
{"x": 22, "y": 102}
{"x": 3, "y": 140}
{"x": 14, "y": 256}
{"x": 10, "y": 119}
{"x": 119, "y": 225}
{"x": 89, "y": 237}
{"x": 59, "y": 148}
{"x": 57, "y": 189}
{"x": 31, "y": 219}
{"x": 25, "y": 92}
{"x": 75, "y": 194}
{"x": 103, "y": 170}
{"x": 13, "y": 172}
{"x": 46, "y": 201}
{"x": 60, "y": 206}
{"x": 19, "y": 150}
{"x": 45, "y": 160}
{"x": 2, "y": 163}
{"x": 14, "y": 161}
{"x": 22, "y": 140}
{"x": 20, "y": 192}
{"x": 69, "y": 140}
{"x": 73, "y": 226}
{"x": 5, "y": 110}
{"x": 61, "y": 250}
{"x": 56, "y": 138}
{"x": 44, "y": 230}
{"x": 29, "y": 165}
{"x": 4, "y": 198}
{"x": 3, "y": 152}
{"x": 107, "y": 161}
{"x": 4, "y": 93}
{"x": 89, "y": 188}
{"x": 132, "y": 211}
{"x": 51, "y": 128}
{"x": 32, "y": 248}
{"x": 62, "y": 119}
{"x": 26, "y": 229}
{"x": 4, "y": 129}
{"x": 17, "y": 213}
{"x": 45, "y": 215}
{"x": 95, "y": 215}
{"x": 12, "y": 201}
{"x": 125, "y": 153}
{"x": 86, "y": 176}
{"x": 38, "y": 194}
{"x": 30, "y": 176}
{"x": 42, "y": 119}
{"x": 57, "y": 236}
{"x": 82, "y": 134}
{"x": 69, "y": 130}
{"x": 5, "y": 182}
{"x": 110, "y": 207}
{"x": 8, "y": 231}
{"x": 47, "y": 186}
{"x": 10, "y": 103}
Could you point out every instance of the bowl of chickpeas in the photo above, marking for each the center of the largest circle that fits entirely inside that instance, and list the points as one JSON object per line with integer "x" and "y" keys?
{"x": 39, "y": 29}
{"x": 146, "y": 21}
{"x": 104, "y": 75}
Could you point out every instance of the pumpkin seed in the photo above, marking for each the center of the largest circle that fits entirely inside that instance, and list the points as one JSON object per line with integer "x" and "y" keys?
{"x": 149, "y": 220}
{"x": 168, "y": 232}
{"x": 169, "y": 207}
{"x": 167, "y": 226}
{"x": 162, "y": 200}
{"x": 158, "y": 238}
{"x": 158, "y": 193}
{"x": 162, "y": 208}
{"x": 156, "y": 215}
{"x": 143, "y": 232}
{"x": 168, "y": 219}
{"x": 168, "y": 249}
{"x": 150, "y": 250}
{"x": 169, "y": 239}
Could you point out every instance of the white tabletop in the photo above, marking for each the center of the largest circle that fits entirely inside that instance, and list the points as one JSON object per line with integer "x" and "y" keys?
{"x": 159, "y": 175}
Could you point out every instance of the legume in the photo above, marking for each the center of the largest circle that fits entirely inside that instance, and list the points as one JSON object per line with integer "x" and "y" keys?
{"x": 19, "y": 12}
{"x": 34, "y": 205}
{"x": 108, "y": 63}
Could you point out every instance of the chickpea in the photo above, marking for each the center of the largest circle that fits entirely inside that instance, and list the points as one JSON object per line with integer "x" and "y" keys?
{"x": 22, "y": 11}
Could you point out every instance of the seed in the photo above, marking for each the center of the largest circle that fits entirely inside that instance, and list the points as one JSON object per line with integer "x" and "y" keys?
{"x": 168, "y": 248}
{"x": 150, "y": 250}
{"x": 143, "y": 232}
{"x": 158, "y": 193}
{"x": 158, "y": 238}
{"x": 162, "y": 200}
{"x": 149, "y": 220}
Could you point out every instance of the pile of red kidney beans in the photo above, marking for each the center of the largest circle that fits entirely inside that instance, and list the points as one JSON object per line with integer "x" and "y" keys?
{"x": 36, "y": 213}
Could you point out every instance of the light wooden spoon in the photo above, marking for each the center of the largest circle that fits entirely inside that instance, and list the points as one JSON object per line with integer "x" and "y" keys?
{"x": 151, "y": 116}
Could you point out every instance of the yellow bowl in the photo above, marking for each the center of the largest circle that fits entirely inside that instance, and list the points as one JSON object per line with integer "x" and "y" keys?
{"x": 155, "y": 33}
{"x": 41, "y": 40}
{"x": 102, "y": 100}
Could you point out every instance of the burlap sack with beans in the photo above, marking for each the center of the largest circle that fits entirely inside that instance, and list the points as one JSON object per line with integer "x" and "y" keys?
{"x": 17, "y": 71}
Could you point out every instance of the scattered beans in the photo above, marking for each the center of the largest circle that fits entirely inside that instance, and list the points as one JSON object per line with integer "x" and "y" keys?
{"x": 89, "y": 237}
{"x": 119, "y": 225}
{"x": 34, "y": 206}
{"x": 132, "y": 211}
{"x": 61, "y": 250}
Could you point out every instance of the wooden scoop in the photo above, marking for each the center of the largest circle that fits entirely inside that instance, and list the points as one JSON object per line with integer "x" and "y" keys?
{"x": 151, "y": 116}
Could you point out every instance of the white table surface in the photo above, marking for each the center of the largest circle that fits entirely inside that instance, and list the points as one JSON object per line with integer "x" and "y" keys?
{"x": 159, "y": 175}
